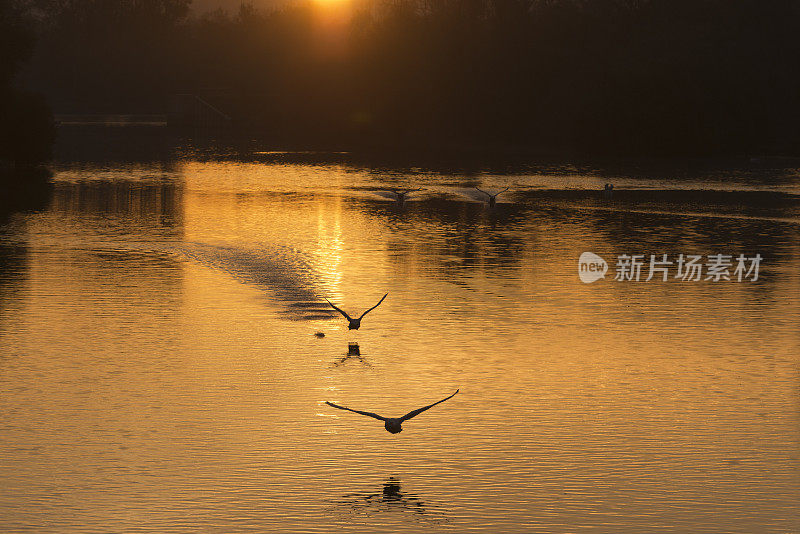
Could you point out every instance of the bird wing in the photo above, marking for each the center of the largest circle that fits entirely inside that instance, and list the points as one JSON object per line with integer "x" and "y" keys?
{"x": 503, "y": 191}
{"x": 484, "y": 192}
{"x": 370, "y": 414}
{"x": 418, "y": 411}
{"x": 372, "y": 308}
{"x": 339, "y": 310}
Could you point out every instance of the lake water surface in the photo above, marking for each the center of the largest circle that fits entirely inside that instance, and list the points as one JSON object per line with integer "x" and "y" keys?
{"x": 159, "y": 370}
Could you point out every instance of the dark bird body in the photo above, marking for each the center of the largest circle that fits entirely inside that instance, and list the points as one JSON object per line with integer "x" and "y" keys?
{"x": 393, "y": 424}
{"x": 354, "y": 324}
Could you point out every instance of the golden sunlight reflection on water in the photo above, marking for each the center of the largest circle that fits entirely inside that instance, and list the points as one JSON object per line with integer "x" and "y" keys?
{"x": 160, "y": 370}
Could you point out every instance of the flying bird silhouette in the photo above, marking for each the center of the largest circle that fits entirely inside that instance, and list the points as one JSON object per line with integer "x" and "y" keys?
{"x": 492, "y": 198}
{"x": 354, "y": 324}
{"x": 393, "y": 424}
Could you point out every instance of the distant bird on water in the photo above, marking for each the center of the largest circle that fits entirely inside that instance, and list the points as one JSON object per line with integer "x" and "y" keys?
{"x": 492, "y": 198}
{"x": 401, "y": 194}
{"x": 393, "y": 424}
{"x": 354, "y": 324}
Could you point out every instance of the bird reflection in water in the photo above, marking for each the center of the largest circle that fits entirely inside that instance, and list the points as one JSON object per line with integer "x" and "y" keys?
{"x": 391, "y": 500}
{"x": 353, "y": 354}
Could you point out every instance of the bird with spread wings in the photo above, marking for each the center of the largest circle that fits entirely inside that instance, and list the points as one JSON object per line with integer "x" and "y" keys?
{"x": 354, "y": 324}
{"x": 492, "y": 198}
{"x": 393, "y": 424}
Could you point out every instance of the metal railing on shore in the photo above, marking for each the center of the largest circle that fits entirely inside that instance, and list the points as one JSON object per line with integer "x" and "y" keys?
{"x": 107, "y": 119}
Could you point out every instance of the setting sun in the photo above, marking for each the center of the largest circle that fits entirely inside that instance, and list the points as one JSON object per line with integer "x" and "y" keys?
{"x": 333, "y": 4}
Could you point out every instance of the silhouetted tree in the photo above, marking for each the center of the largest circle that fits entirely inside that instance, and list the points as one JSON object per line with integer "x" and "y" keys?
{"x": 606, "y": 76}
{"x": 26, "y": 123}
{"x": 110, "y": 54}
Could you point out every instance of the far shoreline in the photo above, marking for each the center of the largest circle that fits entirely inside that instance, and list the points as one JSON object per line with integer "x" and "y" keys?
{"x": 154, "y": 130}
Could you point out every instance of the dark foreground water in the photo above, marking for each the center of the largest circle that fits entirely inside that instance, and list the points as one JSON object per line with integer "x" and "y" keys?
{"x": 159, "y": 370}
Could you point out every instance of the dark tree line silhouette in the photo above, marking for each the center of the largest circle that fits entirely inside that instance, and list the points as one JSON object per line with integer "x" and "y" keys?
{"x": 26, "y": 123}
{"x": 600, "y": 76}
